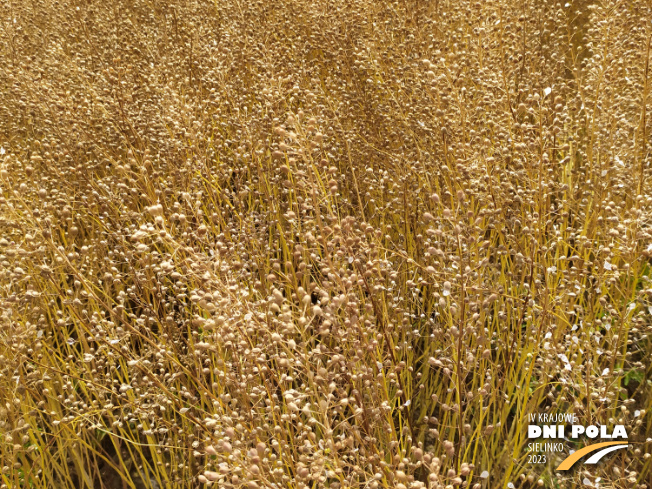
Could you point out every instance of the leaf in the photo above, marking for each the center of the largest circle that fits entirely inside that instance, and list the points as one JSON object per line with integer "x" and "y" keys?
{"x": 634, "y": 375}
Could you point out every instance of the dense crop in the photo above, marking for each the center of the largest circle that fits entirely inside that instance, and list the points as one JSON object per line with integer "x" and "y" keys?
{"x": 322, "y": 243}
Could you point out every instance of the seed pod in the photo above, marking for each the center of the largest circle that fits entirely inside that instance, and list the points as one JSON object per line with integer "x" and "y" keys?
{"x": 446, "y": 289}
{"x": 211, "y": 476}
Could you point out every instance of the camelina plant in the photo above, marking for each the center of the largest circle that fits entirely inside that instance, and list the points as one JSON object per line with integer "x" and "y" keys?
{"x": 322, "y": 243}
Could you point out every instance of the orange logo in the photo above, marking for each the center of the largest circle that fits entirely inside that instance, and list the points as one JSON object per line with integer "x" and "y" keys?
{"x": 602, "y": 449}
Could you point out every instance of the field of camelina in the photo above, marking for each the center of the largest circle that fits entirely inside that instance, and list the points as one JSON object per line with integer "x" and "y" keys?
{"x": 325, "y": 244}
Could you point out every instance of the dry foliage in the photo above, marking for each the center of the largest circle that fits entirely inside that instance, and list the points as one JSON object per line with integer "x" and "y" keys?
{"x": 321, "y": 244}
